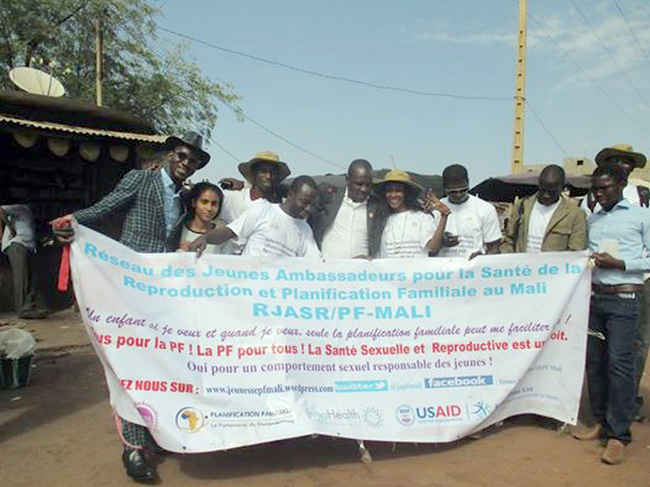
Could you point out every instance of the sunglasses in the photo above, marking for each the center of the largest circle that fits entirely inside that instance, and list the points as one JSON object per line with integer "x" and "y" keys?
{"x": 186, "y": 156}
{"x": 457, "y": 190}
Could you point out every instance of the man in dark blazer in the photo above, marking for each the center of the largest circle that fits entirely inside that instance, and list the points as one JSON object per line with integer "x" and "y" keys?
{"x": 154, "y": 212}
{"x": 344, "y": 220}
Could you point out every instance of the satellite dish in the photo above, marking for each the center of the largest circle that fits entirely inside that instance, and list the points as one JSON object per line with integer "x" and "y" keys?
{"x": 37, "y": 82}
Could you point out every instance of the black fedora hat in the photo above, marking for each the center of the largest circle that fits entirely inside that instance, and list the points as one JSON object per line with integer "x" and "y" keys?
{"x": 623, "y": 151}
{"x": 192, "y": 140}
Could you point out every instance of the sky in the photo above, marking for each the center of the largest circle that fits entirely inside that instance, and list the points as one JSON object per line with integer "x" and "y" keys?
{"x": 587, "y": 73}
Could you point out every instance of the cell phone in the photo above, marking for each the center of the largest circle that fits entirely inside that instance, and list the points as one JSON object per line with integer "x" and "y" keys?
{"x": 226, "y": 184}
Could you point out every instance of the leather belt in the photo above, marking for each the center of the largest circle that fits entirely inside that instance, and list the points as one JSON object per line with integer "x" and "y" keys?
{"x": 616, "y": 288}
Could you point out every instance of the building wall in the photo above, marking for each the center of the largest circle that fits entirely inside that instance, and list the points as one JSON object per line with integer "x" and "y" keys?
{"x": 53, "y": 186}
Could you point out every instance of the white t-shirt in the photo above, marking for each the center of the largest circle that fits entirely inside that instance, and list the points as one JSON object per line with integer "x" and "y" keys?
{"x": 23, "y": 221}
{"x": 348, "y": 235}
{"x": 474, "y": 222}
{"x": 270, "y": 232}
{"x": 540, "y": 216}
{"x": 235, "y": 203}
{"x": 188, "y": 235}
{"x": 406, "y": 235}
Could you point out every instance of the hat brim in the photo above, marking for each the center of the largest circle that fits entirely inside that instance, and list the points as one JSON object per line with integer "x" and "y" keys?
{"x": 381, "y": 185}
{"x": 637, "y": 158}
{"x": 246, "y": 169}
{"x": 173, "y": 141}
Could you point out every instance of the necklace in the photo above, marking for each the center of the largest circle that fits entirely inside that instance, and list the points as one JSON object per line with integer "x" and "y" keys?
{"x": 399, "y": 243}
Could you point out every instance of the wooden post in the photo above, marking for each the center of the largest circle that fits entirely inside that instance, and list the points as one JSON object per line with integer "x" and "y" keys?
{"x": 99, "y": 64}
{"x": 520, "y": 93}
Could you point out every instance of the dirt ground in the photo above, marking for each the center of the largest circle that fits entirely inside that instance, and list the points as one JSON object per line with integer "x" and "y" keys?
{"x": 58, "y": 431}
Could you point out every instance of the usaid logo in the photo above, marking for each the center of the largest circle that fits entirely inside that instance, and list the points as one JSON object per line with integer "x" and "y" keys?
{"x": 430, "y": 413}
{"x": 408, "y": 416}
{"x": 464, "y": 381}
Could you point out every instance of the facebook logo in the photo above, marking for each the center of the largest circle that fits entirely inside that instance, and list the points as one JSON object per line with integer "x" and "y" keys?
{"x": 464, "y": 381}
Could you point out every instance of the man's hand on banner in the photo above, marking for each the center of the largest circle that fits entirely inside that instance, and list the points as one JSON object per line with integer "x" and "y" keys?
{"x": 62, "y": 228}
{"x": 199, "y": 245}
{"x": 606, "y": 261}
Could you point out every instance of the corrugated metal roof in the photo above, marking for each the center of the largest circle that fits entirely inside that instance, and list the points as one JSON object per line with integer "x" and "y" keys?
{"x": 155, "y": 139}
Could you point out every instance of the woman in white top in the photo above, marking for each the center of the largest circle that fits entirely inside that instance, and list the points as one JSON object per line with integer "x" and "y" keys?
{"x": 409, "y": 231}
{"x": 205, "y": 200}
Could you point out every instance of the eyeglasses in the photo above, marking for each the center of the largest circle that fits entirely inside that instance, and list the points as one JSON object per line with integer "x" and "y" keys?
{"x": 182, "y": 156}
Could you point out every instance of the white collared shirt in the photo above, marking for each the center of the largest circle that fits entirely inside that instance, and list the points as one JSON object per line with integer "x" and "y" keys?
{"x": 348, "y": 236}
{"x": 172, "y": 199}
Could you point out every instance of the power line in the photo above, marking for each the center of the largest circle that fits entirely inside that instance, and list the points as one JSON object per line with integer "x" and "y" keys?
{"x": 240, "y": 113}
{"x": 609, "y": 52}
{"x": 226, "y": 150}
{"x": 334, "y": 77}
{"x": 587, "y": 76}
{"x": 548, "y": 131}
{"x": 638, "y": 42}
{"x": 275, "y": 134}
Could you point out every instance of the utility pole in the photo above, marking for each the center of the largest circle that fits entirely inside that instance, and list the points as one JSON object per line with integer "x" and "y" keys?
{"x": 99, "y": 62}
{"x": 520, "y": 94}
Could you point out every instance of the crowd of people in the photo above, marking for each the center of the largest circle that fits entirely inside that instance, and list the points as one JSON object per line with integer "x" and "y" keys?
{"x": 391, "y": 218}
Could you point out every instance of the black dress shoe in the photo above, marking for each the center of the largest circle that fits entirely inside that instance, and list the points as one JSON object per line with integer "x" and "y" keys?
{"x": 136, "y": 466}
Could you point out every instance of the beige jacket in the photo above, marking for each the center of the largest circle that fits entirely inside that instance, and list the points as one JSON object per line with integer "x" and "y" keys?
{"x": 567, "y": 229}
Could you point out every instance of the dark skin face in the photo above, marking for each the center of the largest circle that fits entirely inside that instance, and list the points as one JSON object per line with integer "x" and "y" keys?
{"x": 607, "y": 191}
{"x": 359, "y": 184}
{"x": 395, "y": 194}
{"x": 182, "y": 162}
{"x": 457, "y": 191}
{"x": 265, "y": 176}
{"x": 550, "y": 188}
{"x": 299, "y": 203}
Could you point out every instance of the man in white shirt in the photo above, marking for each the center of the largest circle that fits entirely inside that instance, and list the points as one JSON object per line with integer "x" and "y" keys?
{"x": 19, "y": 245}
{"x": 546, "y": 221}
{"x": 345, "y": 220}
{"x": 264, "y": 172}
{"x": 272, "y": 230}
{"x": 473, "y": 225}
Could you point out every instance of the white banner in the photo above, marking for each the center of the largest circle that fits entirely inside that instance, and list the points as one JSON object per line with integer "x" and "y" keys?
{"x": 226, "y": 351}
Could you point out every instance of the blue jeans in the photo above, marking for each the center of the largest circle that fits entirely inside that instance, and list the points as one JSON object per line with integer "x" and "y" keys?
{"x": 610, "y": 363}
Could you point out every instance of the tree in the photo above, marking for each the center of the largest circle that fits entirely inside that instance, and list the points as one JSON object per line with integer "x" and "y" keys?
{"x": 141, "y": 76}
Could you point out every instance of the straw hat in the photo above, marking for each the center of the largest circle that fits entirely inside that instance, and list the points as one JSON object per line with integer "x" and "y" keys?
{"x": 397, "y": 176}
{"x": 624, "y": 151}
{"x": 246, "y": 168}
